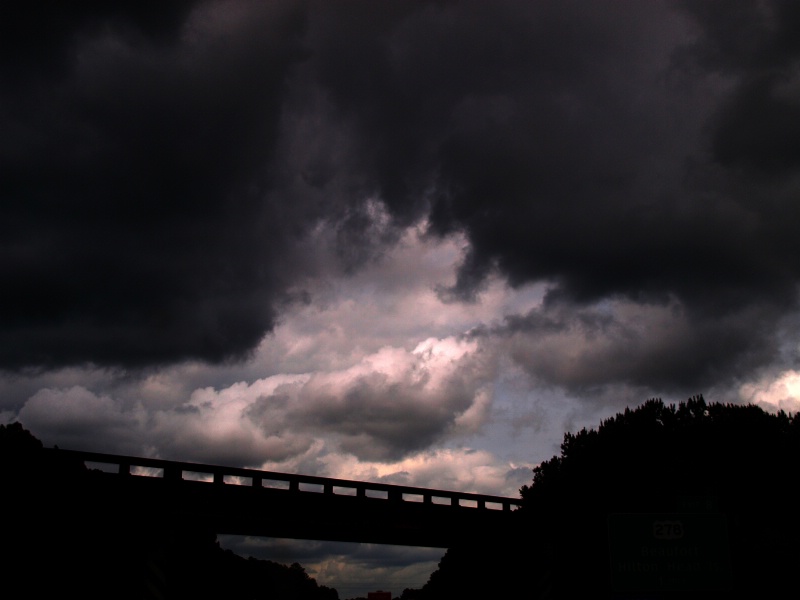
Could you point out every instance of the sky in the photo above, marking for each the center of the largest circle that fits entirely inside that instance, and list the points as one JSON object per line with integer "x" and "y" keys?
{"x": 402, "y": 241}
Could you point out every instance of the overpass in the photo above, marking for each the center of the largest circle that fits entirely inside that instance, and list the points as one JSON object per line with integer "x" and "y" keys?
{"x": 231, "y": 500}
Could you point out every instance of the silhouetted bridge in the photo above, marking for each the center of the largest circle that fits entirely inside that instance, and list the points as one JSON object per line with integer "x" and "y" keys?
{"x": 230, "y": 500}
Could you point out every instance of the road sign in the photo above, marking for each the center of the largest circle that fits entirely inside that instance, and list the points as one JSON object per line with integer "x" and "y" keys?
{"x": 669, "y": 552}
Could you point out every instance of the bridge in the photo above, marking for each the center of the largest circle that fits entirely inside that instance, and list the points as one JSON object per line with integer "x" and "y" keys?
{"x": 231, "y": 500}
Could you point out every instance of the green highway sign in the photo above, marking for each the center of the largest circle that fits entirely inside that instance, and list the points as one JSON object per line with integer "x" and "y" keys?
{"x": 669, "y": 552}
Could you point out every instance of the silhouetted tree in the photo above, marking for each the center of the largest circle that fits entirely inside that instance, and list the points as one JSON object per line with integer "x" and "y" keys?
{"x": 60, "y": 542}
{"x": 737, "y": 462}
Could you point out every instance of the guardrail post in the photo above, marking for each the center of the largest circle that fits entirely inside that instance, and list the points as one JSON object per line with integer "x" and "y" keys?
{"x": 172, "y": 473}
{"x": 219, "y": 477}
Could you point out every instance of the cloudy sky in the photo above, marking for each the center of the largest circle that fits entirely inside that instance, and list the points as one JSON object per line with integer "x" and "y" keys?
{"x": 398, "y": 241}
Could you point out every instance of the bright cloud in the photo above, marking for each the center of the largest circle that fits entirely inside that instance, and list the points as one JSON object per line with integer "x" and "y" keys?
{"x": 774, "y": 393}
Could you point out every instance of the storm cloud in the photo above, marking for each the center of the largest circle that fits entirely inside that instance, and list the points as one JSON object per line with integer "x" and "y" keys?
{"x": 168, "y": 174}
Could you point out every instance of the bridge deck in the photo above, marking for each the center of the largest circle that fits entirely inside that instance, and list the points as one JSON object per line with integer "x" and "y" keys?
{"x": 267, "y": 503}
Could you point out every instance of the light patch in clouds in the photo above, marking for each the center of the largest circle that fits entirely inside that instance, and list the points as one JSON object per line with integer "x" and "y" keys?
{"x": 380, "y": 420}
{"x": 774, "y": 393}
{"x": 391, "y": 301}
{"x": 394, "y": 401}
{"x": 213, "y": 427}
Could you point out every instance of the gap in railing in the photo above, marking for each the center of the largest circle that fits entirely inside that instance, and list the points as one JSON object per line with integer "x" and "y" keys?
{"x": 105, "y": 467}
{"x": 198, "y": 476}
{"x": 147, "y": 471}
{"x": 440, "y": 500}
{"x": 382, "y": 494}
{"x": 468, "y": 503}
{"x": 275, "y": 484}
{"x": 494, "y": 505}
{"x": 311, "y": 487}
{"x": 344, "y": 490}
{"x": 237, "y": 480}
{"x": 413, "y": 497}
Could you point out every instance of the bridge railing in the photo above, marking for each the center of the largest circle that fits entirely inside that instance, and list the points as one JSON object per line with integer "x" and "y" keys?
{"x": 132, "y": 466}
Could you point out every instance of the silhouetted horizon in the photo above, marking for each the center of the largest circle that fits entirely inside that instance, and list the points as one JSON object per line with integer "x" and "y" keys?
{"x": 670, "y": 519}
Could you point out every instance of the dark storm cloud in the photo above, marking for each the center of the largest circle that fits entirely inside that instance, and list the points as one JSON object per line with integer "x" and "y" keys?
{"x": 574, "y": 142}
{"x": 757, "y": 127}
{"x": 631, "y": 152}
{"x": 36, "y": 35}
{"x": 156, "y": 172}
{"x": 588, "y": 172}
{"x": 645, "y": 347}
{"x": 134, "y": 178}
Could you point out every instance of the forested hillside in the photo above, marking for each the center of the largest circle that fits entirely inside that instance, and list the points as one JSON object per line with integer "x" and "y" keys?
{"x": 713, "y": 486}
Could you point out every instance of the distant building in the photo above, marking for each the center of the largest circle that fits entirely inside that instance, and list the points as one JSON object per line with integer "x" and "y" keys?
{"x": 379, "y": 595}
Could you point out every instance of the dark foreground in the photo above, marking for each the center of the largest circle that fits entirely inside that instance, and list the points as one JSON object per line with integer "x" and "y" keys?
{"x": 687, "y": 501}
